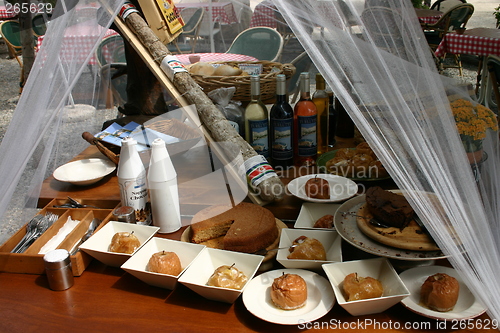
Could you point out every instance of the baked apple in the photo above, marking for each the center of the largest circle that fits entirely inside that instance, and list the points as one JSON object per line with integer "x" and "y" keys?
{"x": 124, "y": 242}
{"x": 227, "y": 277}
{"x": 165, "y": 263}
{"x": 317, "y": 188}
{"x": 357, "y": 287}
{"x": 325, "y": 221}
{"x": 440, "y": 292}
{"x": 289, "y": 292}
{"x": 307, "y": 248}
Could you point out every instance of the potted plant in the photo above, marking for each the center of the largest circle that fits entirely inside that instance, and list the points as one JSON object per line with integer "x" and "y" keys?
{"x": 473, "y": 121}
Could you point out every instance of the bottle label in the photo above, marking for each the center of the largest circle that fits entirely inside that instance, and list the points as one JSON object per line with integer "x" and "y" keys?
{"x": 259, "y": 136}
{"x": 307, "y": 135}
{"x": 281, "y": 146}
{"x": 134, "y": 193}
{"x": 258, "y": 169}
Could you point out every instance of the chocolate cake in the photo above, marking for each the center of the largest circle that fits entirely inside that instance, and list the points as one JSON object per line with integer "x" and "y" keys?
{"x": 245, "y": 228}
{"x": 389, "y": 208}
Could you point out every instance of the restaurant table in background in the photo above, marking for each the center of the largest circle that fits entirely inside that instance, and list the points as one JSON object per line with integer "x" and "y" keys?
{"x": 209, "y": 57}
{"x": 477, "y": 41}
{"x": 223, "y": 11}
{"x": 6, "y": 15}
{"x": 78, "y": 40}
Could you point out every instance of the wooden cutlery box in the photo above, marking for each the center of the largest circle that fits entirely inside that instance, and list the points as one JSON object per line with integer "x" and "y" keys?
{"x": 30, "y": 262}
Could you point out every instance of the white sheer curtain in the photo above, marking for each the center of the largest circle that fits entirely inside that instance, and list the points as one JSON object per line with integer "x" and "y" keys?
{"x": 375, "y": 57}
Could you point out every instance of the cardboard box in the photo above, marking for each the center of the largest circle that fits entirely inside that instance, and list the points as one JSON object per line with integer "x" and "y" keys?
{"x": 162, "y": 18}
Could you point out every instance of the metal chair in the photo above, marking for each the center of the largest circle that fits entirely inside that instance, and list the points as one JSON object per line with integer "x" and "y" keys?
{"x": 190, "y": 31}
{"x": 110, "y": 55}
{"x": 10, "y": 32}
{"x": 302, "y": 63}
{"x": 456, "y": 17}
{"x": 39, "y": 24}
{"x": 492, "y": 96}
{"x": 262, "y": 43}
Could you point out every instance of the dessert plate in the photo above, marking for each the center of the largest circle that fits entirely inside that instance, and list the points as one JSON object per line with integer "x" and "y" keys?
{"x": 347, "y": 227}
{"x": 467, "y": 306}
{"x": 84, "y": 172}
{"x": 341, "y": 188}
{"x": 320, "y": 298}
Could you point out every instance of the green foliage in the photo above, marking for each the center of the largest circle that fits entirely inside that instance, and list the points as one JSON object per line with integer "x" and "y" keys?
{"x": 496, "y": 14}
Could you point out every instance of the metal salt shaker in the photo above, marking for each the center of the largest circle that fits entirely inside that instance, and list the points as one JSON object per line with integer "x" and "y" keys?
{"x": 58, "y": 269}
{"x": 125, "y": 214}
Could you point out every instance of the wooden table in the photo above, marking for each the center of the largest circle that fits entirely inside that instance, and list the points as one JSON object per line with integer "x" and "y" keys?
{"x": 108, "y": 299}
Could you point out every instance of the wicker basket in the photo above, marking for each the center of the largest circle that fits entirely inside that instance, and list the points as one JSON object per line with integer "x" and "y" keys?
{"x": 242, "y": 83}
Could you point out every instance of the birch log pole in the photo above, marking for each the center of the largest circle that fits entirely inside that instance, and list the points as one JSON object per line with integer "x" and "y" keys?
{"x": 270, "y": 189}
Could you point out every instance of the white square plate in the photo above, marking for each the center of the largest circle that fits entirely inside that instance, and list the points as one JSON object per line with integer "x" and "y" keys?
{"x": 137, "y": 264}
{"x": 97, "y": 245}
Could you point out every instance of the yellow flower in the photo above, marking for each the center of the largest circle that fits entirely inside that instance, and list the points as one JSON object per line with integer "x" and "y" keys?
{"x": 473, "y": 121}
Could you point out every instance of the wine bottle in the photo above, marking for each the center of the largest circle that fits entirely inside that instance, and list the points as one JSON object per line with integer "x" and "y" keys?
{"x": 345, "y": 125}
{"x": 132, "y": 181}
{"x": 320, "y": 99}
{"x": 281, "y": 127}
{"x": 305, "y": 122}
{"x": 332, "y": 120}
{"x": 163, "y": 190}
{"x": 257, "y": 120}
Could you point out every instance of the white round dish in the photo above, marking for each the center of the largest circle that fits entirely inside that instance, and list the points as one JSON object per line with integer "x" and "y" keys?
{"x": 347, "y": 227}
{"x": 320, "y": 298}
{"x": 341, "y": 188}
{"x": 467, "y": 306}
{"x": 84, "y": 172}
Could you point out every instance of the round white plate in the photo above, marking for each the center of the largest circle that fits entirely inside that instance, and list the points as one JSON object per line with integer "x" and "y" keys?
{"x": 320, "y": 298}
{"x": 347, "y": 227}
{"x": 84, "y": 172}
{"x": 341, "y": 188}
{"x": 467, "y": 306}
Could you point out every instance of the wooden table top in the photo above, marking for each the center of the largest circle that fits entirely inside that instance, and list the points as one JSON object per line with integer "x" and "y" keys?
{"x": 104, "y": 298}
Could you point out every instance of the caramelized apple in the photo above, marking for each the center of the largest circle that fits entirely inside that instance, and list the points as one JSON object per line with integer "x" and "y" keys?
{"x": 124, "y": 242}
{"x": 227, "y": 277}
{"x": 356, "y": 287}
{"x": 289, "y": 292}
{"x": 440, "y": 292}
{"x": 317, "y": 188}
{"x": 165, "y": 263}
{"x": 308, "y": 249}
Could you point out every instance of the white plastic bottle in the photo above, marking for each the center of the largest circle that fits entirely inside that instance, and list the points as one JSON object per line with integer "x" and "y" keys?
{"x": 132, "y": 181}
{"x": 163, "y": 190}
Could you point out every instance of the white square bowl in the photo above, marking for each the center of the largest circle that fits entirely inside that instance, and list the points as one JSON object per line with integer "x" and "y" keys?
{"x": 378, "y": 268}
{"x": 97, "y": 245}
{"x": 137, "y": 264}
{"x": 329, "y": 238}
{"x": 310, "y": 212}
{"x": 196, "y": 276}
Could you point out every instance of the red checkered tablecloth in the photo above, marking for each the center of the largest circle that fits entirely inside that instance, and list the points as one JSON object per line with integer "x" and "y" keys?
{"x": 224, "y": 11}
{"x": 5, "y": 15}
{"x": 78, "y": 40}
{"x": 477, "y": 41}
{"x": 264, "y": 15}
{"x": 209, "y": 57}
{"x": 428, "y": 16}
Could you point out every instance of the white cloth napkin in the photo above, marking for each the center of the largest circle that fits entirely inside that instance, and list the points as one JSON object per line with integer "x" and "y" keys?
{"x": 57, "y": 239}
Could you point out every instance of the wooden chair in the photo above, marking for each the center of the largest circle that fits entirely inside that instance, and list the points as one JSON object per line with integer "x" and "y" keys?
{"x": 445, "y": 5}
{"x": 262, "y": 43}
{"x": 10, "y": 32}
{"x": 39, "y": 24}
{"x": 456, "y": 17}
